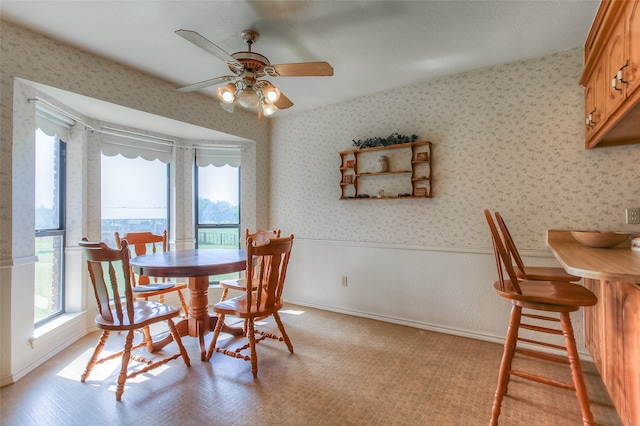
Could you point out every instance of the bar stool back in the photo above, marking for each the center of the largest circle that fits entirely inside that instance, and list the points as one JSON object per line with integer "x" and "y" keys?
{"x": 536, "y": 273}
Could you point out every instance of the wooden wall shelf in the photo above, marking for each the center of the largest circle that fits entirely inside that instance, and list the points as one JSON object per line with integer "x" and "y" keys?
{"x": 408, "y": 172}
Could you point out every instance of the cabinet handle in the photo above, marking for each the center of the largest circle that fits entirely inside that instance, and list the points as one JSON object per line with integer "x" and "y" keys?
{"x": 618, "y": 78}
{"x": 589, "y": 121}
{"x": 620, "y": 73}
{"x": 614, "y": 84}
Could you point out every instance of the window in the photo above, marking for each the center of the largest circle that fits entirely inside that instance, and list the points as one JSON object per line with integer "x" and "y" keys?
{"x": 217, "y": 190}
{"x": 125, "y": 208}
{"x": 50, "y": 226}
{"x": 218, "y": 207}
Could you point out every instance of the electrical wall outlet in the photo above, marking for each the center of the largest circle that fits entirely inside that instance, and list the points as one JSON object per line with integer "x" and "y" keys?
{"x": 633, "y": 216}
{"x": 344, "y": 281}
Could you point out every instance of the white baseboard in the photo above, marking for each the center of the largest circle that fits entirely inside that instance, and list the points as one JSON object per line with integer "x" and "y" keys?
{"x": 584, "y": 356}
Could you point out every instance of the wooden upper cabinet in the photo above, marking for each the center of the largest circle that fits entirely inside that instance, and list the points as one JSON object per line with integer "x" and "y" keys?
{"x": 611, "y": 75}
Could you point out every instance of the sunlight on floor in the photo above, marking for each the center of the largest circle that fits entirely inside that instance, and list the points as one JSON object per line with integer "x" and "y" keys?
{"x": 291, "y": 312}
{"x": 73, "y": 371}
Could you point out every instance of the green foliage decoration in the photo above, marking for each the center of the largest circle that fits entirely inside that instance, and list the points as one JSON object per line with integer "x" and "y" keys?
{"x": 392, "y": 139}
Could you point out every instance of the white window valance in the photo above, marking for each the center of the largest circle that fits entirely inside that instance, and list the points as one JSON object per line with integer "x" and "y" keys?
{"x": 218, "y": 156}
{"x": 133, "y": 146}
{"x": 53, "y": 123}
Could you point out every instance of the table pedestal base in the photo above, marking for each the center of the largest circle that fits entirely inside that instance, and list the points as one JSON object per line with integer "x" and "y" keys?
{"x": 199, "y": 321}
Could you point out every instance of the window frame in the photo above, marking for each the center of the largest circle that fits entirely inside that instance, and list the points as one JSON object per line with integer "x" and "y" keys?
{"x": 60, "y": 231}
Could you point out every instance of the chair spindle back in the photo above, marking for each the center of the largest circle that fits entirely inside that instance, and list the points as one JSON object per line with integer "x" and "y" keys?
{"x": 140, "y": 243}
{"x": 511, "y": 246}
{"x": 105, "y": 282}
{"x": 503, "y": 259}
{"x": 269, "y": 272}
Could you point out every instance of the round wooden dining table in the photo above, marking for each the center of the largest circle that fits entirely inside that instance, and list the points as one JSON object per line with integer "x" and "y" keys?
{"x": 196, "y": 265}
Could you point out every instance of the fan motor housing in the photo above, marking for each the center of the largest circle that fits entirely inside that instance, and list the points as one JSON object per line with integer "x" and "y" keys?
{"x": 251, "y": 61}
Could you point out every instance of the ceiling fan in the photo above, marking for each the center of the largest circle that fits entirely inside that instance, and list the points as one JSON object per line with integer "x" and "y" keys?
{"x": 246, "y": 86}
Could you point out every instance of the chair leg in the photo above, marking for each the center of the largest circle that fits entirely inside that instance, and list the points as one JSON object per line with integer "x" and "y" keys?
{"x": 284, "y": 333}
{"x": 96, "y": 353}
{"x": 126, "y": 355}
{"x": 576, "y": 369}
{"x": 178, "y": 340}
{"x": 185, "y": 306}
{"x": 505, "y": 365}
{"x": 252, "y": 344}
{"x": 225, "y": 291}
{"x": 146, "y": 332}
{"x": 216, "y": 333}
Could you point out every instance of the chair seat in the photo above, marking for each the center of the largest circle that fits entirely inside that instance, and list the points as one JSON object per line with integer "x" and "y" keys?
{"x": 144, "y": 313}
{"x": 238, "y": 306}
{"x": 152, "y": 287}
{"x": 555, "y": 293}
{"x": 545, "y": 273}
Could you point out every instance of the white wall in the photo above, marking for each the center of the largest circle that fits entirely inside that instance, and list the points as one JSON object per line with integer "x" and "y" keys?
{"x": 507, "y": 138}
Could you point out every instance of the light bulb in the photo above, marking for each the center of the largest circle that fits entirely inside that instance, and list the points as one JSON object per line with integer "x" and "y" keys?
{"x": 227, "y": 97}
{"x": 227, "y": 93}
{"x": 248, "y": 98}
{"x": 273, "y": 94}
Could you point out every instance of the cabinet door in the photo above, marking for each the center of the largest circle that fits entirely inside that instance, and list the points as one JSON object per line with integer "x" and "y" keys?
{"x": 630, "y": 351}
{"x": 594, "y": 324}
{"x": 612, "y": 356}
{"x": 632, "y": 72}
{"x": 595, "y": 93}
{"x": 616, "y": 59}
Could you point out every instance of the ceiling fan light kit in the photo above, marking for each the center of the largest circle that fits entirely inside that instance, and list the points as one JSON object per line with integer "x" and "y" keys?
{"x": 245, "y": 87}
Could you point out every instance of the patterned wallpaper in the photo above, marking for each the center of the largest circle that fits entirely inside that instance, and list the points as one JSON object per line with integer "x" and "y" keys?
{"x": 507, "y": 138}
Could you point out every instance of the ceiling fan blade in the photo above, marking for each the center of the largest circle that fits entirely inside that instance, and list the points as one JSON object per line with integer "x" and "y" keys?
{"x": 283, "y": 102}
{"x": 206, "y": 83}
{"x": 304, "y": 69}
{"x": 205, "y": 44}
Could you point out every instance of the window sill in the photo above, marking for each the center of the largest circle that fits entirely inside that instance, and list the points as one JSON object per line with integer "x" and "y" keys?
{"x": 65, "y": 322}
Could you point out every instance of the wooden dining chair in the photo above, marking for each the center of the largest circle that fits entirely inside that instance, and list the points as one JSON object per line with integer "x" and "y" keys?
{"x": 118, "y": 310}
{"x": 240, "y": 284}
{"x": 145, "y": 287}
{"x": 536, "y": 273}
{"x": 267, "y": 268}
{"x": 546, "y": 297}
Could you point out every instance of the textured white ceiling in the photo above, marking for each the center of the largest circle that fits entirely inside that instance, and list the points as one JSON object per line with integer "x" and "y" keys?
{"x": 372, "y": 45}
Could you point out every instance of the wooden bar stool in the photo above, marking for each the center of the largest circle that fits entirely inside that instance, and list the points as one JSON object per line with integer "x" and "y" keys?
{"x": 561, "y": 297}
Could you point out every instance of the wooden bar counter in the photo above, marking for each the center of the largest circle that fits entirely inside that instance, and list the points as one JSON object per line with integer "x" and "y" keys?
{"x": 612, "y": 326}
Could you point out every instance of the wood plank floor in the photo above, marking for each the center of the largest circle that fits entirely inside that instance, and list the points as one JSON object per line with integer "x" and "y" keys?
{"x": 345, "y": 371}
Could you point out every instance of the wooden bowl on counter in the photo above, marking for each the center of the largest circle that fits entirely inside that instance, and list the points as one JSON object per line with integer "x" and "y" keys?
{"x": 600, "y": 239}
